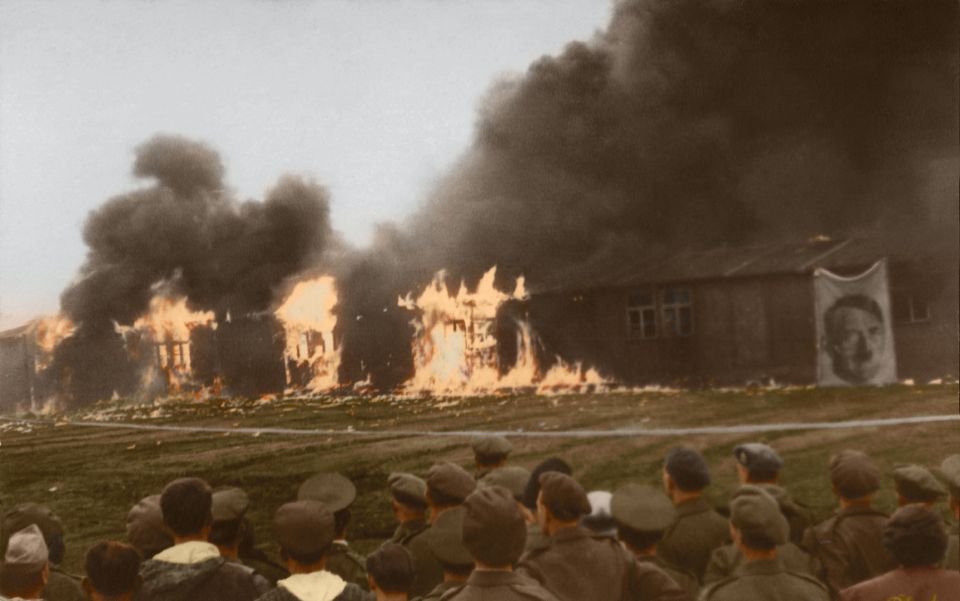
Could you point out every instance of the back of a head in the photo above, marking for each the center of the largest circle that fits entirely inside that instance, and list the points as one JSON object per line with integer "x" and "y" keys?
{"x": 24, "y": 562}
{"x": 391, "y": 567}
{"x": 186, "y": 505}
{"x": 113, "y": 568}
{"x": 563, "y": 497}
{"x": 915, "y": 536}
{"x": 687, "y": 468}
{"x": 145, "y": 529}
{"x": 853, "y": 474}
{"x": 532, "y": 490}
{"x": 304, "y": 530}
{"x": 756, "y": 514}
{"x": 494, "y": 530}
{"x": 22, "y": 515}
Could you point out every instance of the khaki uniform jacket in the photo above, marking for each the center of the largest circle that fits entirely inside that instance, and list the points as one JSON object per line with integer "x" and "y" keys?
{"x": 766, "y": 580}
{"x": 919, "y": 584}
{"x": 727, "y": 559}
{"x": 685, "y": 578}
{"x": 691, "y": 539}
{"x": 407, "y": 530}
{"x": 428, "y": 571}
{"x": 952, "y": 560}
{"x": 499, "y": 586}
{"x": 345, "y": 563}
{"x": 579, "y": 565}
{"x": 849, "y": 547}
{"x": 440, "y": 590}
{"x": 63, "y": 587}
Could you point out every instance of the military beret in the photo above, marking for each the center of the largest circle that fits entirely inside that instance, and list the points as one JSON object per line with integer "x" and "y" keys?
{"x": 494, "y": 530}
{"x": 915, "y": 536}
{"x": 26, "y": 550}
{"x": 512, "y": 477}
{"x": 563, "y": 496}
{"x": 445, "y": 538}
{"x": 758, "y": 458}
{"x": 229, "y": 504}
{"x": 449, "y": 483}
{"x": 950, "y": 469}
{"x": 22, "y": 515}
{"x": 532, "y": 491}
{"x": 687, "y": 468}
{"x": 642, "y": 508}
{"x": 915, "y": 483}
{"x": 407, "y": 489}
{"x": 304, "y": 527}
{"x": 854, "y": 474}
{"x": 754, "y": 511}
{"x": 491, "y": 446}
{"x": 145, "y": 529}
{"x": 332, "y": 489}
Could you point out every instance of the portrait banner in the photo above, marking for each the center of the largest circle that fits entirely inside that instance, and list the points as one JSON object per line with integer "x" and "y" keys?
{"x": 854, "y": 328}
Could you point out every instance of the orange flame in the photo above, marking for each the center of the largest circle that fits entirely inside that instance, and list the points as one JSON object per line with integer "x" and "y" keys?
{"x": 48, "y": 332}
{"x": 308, "y": 320}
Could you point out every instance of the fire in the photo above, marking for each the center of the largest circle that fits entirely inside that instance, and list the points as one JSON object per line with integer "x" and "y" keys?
{"x": 168, "y": 324}
{"x": 48, "y": 332}
{"x": 455, "y": 346}
{"x": 312, "y": 355}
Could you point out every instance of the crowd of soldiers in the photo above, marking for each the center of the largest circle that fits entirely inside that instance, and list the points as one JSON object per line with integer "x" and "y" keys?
{"x": 509, "y": 533}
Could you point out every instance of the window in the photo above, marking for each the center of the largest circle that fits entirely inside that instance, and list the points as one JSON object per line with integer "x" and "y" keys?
{"x": 641, "y": 315}
{"x": 676, "y": 308}
{"x": 908, "y": 307}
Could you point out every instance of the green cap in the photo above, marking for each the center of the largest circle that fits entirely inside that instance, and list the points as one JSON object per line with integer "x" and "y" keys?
{"x": 916, "y": 484}
{"x": 229, "y": 504}
{"x": 445, "y": 538}
{"x": 512, "y": 477}
{"x": 950, "y": 469}
{"x": 754, "y": 511}
{"x": 407, "y": 489}
{"x": 491, "y": 446}
{"x": 449, "y": 483}
{"x": 854, "y": 474}
{"x": 332, "y": 489}
{"x": 304, "y": 527}
{"x": 145, "y": 529}
{"x": 643, "y": 508}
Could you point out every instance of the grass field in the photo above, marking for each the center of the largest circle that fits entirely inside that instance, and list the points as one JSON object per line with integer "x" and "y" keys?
{"x": 92, "y": 476}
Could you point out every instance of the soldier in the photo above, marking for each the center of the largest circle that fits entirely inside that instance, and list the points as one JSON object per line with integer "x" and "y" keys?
{"x": 535, "y": 538}
{"x": 228, "y": 508}
{"x": 757, "y": 527}
{"x": 25, "y": 567}
{"x": 915, "y": 484}
{"x": 337, "y": 493}
{"x": 390, "y": 572}
{"x": 643, "y": 514}
{"x": 514, "y": 478}
{"x": 849, "y": 545}
{"x": 758, "y": 463}
{"x": 113, "y": 572}
{"x": 192, "y": 569}
{"x": 489, "y": 453}
{"x": 305, "y": 532}
{"x": 145, "y": 529}
{"x": 578, "y": 564}
{"x": 950, "y": 468}
{"x": 446, "y": 544}
{"x": 409, "y": 505}
{"x": 916, "y": 538}
{"x": 726, "y": 560}
{"x": 698, "y": 529}
{"x": 494, "y": 532}
{"x": 447, "y": 486}
{"x": 60, "y": 585}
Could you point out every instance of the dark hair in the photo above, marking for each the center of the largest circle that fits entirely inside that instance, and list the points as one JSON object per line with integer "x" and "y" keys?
{"x": 410, "y": 501}
{"x": 113, "y": 568}
{"x": 532, "y": 491}
{"x": 638, "y": 539}
{"x": 304, "y": 559}
{"x": 461, "y": 570}
{"x": 391, "y": 567}
{"x": 186, "y": 505}
{"x": 442, "y": 500}
{"x": 17, "y": 582}
{"x": 490, "y": 459}
{"x": 226, "y": 533}
{"x": 851, "y": 301}
{"x": 687, "y": 468}
{"x": 762, "y": 475}
{"x": 340, "y": 521}
{"x": 758, "y": 541}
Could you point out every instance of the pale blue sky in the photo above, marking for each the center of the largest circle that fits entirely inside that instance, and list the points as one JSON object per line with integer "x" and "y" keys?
{"x": 373, "y": 98}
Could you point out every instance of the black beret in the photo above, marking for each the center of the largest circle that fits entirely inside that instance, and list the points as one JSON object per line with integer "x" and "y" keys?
{"x": 334, "y": 490}
{"x": 494, "y": 530}
{"x": 915, "y": 536}
{"x": 304, "y": 527}
{"x": 449, "y": 482}
{"x": 854, "y": 474}
{"x": 532, "y": 491}
{"x": 758, "y": 458}
{"x": 687, "y": 468}
{"x": 563, "y": 496}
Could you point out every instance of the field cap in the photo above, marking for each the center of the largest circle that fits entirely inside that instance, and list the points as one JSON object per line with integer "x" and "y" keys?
{"x": 304, "y": 527}
{"x": 914, "y": 535}
{"x": 494, "y": 530}
{"x": 754, "y": 511}
{"x": 687, "y": 468}
{"x": 145, "y": 529}
{"x": 26, "y": 550}
{"x": 563, "y": 496}
{"x": 22, "y": 515}
{"x": 757, "y": 457}
{"x": 445, "y": 538}
{"x": 642, "y": 508}
{"x": 950, "y": 468}
{"x": 229, "y": 504}
{"x": 916, "y": 484}
{"x": 512, "y": 477}
{"x": 449, "y": 482}
{"x": 854, "y": 474}
{"x": 334, "y": 490}
{"x": 407, "y": 489}
{"x": 491, "y": 446}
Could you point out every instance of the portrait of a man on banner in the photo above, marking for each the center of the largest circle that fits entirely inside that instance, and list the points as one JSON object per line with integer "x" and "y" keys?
{"x": 854, "y": 333}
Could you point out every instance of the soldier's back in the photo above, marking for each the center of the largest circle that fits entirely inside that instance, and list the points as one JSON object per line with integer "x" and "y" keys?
{"x": 501, "y": 586}
{"x": 579, "y": 565}
{"x": 726, "y": 560}
{"x": 849, "y": 547}
{"x": 766, "y": 580}
{"x": 685, "y": 579}
{"x": 347, "y": 564}
{"x": 922, "y": 583}
{"x": 693, "y": 537}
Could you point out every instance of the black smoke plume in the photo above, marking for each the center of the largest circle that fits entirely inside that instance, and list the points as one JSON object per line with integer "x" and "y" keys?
{"x": 188, "y": 233}
{"x": 692, "y": 124}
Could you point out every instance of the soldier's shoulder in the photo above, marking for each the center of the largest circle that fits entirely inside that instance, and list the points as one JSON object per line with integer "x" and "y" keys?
{"x": 358, "y": 559}
{"x": 718, "y": 589}
{"x": 278, "y": 594}
{"x": 808, "y": 580}
{"x": 352, "y": 592}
